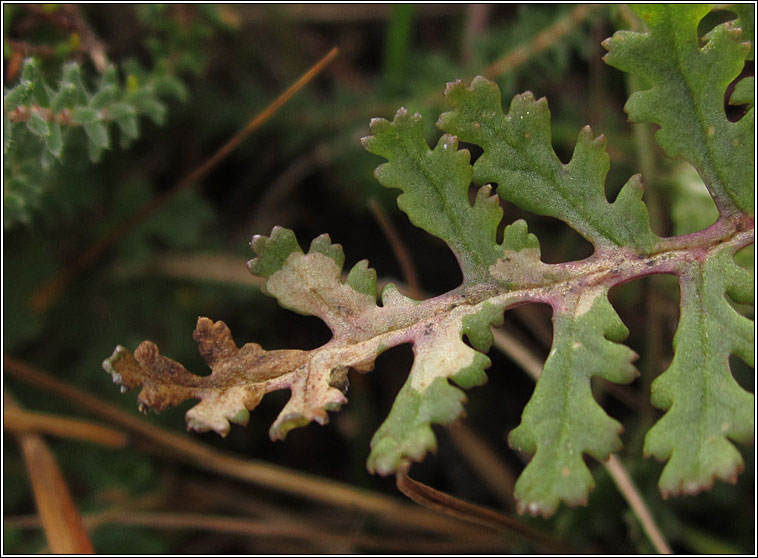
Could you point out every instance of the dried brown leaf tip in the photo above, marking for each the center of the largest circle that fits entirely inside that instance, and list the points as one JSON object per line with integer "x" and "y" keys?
{"x": 239, "y": 378}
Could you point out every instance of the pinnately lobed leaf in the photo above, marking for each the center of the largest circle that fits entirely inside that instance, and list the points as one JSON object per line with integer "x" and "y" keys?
{"x": 562, "y": 421}
{"x": 687, "y": 95}
{"x": 706, "y": 405}
{"x": 705, "y": 409}
{"x": 435, "y": 187}
{"x": 518, "y": 152}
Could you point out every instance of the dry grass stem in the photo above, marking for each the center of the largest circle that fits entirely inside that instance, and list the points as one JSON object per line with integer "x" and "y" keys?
{"x": 27, "y": 422}
{"x": 486, "y": 463}
{"x": 61, "y": 522}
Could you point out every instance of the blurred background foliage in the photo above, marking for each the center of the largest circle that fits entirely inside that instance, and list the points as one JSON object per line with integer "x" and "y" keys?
{"x": 107, "y": 107}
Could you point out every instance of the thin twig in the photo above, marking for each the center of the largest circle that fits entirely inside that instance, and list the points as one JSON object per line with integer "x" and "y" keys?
{"x": 212, "y": 268}
{"x": 487, "y": 464}
{"x": 90, "y": 43}
{"x": 28, "y": 49}
{"x": 631, "y": 494}
{"x": 331, "y": 13}
{"x": 455, "y": 507}
{"x": 516, "y": 350}
{"x": 46, "y": 294}
{"x": 268, "y": 210}
{"x": 475, "y": 25}
{"x": 541, "y": 41}
{"x": 268, "y": 529}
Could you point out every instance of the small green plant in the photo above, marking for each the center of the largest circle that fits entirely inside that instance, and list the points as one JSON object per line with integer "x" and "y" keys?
{"x": 40, "y": 121}
{"x": 686, "y": 79}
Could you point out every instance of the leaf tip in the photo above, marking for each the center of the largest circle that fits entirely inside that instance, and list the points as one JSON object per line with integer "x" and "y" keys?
{"x": 272, "y": 251}
{"x": 535, "y": 508}
{"x": 109, "y": 364}
{"x": 285, "y": 423}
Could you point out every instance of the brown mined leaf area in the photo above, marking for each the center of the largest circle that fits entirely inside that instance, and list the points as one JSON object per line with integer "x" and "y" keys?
{"x": 167, "y": 383}
{"x": 251, "y": 363}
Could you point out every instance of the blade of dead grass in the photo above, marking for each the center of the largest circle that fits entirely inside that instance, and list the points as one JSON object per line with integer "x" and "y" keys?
{"x": 487, "y": 464}
{"x": 435, "y": 499}
{"x": 27, "y": 422}
{"x": 268, "y": 529}
{"x": 49, "y": 292}
{"x": 61, "y": 522}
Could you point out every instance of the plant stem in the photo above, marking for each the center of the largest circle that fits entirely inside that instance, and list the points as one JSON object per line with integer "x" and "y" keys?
{"x": 23, "y": 422}
{"x": 631, "y": 494}
{"x": 435, "y": 499}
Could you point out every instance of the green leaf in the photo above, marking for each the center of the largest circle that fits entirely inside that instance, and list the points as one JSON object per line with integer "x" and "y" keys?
{"x": 97, "y": 134}
{"x": 30, "y": 73}
{"x": 562, "y": 421}
{"x": 72, "y": 73}
{"x": 95, "y": 152}
{"x": 37, "y": 125}
{"x": 692, "y": 208}
{"x": 170, "y": 86}
{"x": 129, "y": 127}
{"x": 427, "y": 397}
{"x": 435, "y": 186}
{"x": 121, "y": 110}
{"x": 18, "y": 96}
{"x": 85, "y": 115}
{"x": 310, "y": 283}
{"x": 744, "y": 93}
{"x": 55, "y": 140}
{"x": 126, "y": 119}
{"x": 155, "y": 109}
{"x": 272, "y": 251}
{"x": 406, "y": 435}
{"x": 363, "y": 279}
{"x": 65, "y": 97}
{"x": 103, "y": 98}
{"x": 746, "y": 22}
{"x": 519, "y": 157}
{"x": 109, "y": 77}
{"x": 705, "y": 405}
{"x": 687, "y": 95}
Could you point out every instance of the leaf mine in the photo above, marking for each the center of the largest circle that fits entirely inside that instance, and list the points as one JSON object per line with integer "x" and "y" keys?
{"x": 705, "y": 411}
